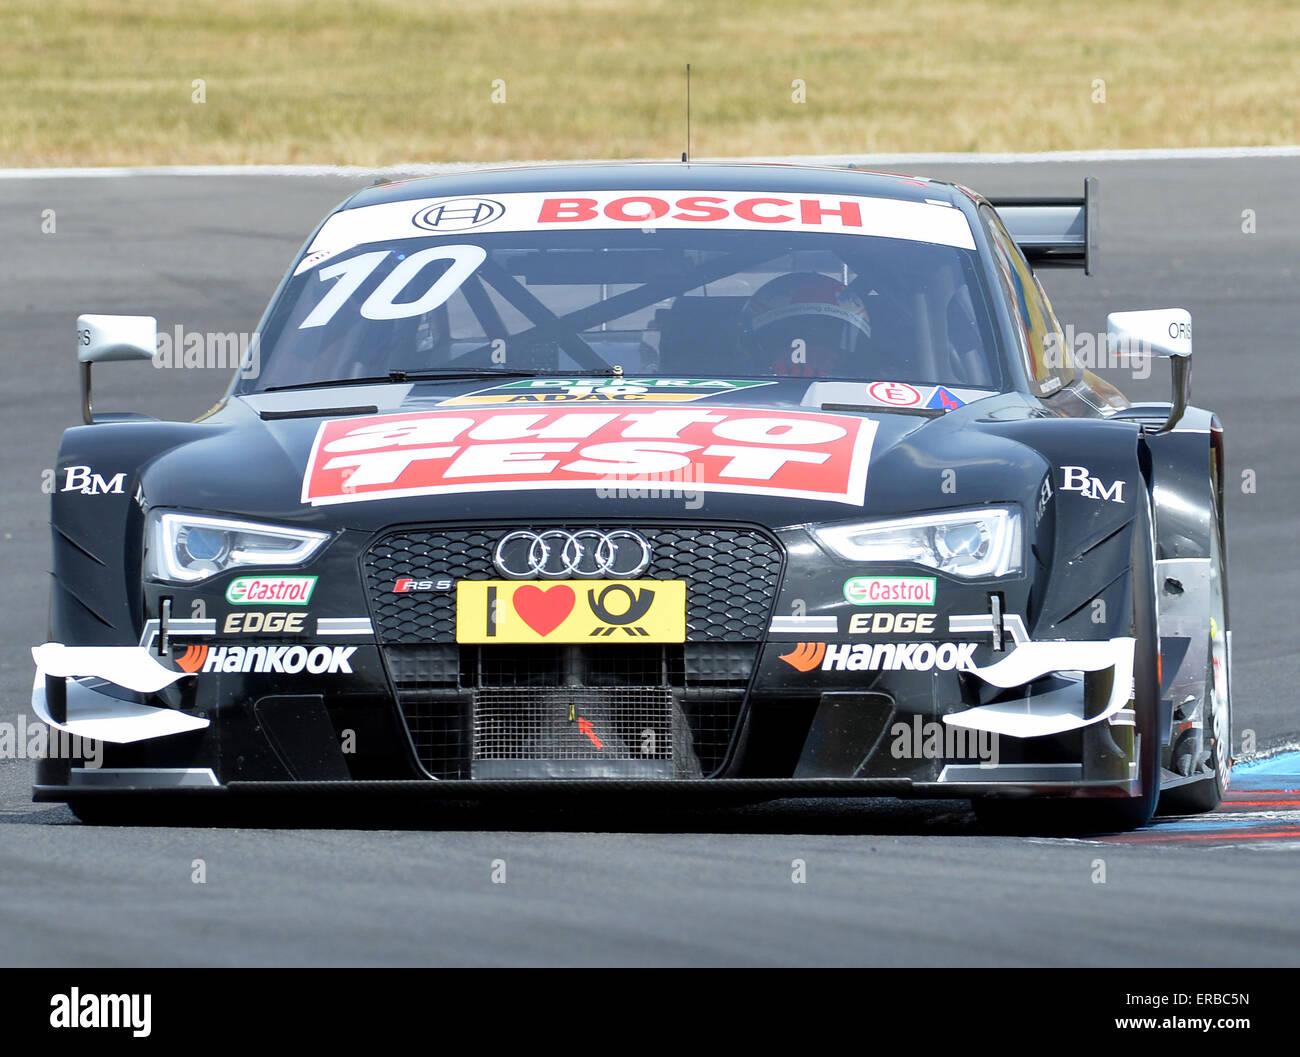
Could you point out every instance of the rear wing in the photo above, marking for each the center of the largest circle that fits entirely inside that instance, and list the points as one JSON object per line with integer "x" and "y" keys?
{"x": 1054, "y": 232}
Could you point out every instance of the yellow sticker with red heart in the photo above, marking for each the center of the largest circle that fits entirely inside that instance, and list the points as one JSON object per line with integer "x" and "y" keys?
{"x": 570, "y": 611}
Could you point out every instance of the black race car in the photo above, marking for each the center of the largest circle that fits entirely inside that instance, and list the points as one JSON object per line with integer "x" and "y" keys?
{"x": 735, "y": 480}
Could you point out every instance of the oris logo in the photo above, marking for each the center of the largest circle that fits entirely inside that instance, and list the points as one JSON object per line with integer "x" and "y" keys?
{"x": 588, "y": 554}
{"x": 459, "y": 214}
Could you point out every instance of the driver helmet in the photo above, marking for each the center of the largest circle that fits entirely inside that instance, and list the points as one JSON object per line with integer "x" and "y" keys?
{"x": 806, "y": 324}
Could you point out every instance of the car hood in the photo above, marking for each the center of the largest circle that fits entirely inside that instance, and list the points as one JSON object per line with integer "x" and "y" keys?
{"x": 264, "y": 456}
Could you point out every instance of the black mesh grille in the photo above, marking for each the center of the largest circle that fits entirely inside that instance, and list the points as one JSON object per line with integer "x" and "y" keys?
{"x": 435, "y": 708}
{"x": 731, "y": 575}
{"x": 468, "y": 708}
{"x": 442, "y": 690}
{"x": 574, "y": 723}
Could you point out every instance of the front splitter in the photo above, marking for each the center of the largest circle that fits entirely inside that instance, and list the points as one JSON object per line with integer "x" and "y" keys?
{"x": 531, "y": 790}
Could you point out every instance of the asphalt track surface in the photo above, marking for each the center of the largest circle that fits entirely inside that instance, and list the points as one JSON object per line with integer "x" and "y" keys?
{"x": 887, "y": 883}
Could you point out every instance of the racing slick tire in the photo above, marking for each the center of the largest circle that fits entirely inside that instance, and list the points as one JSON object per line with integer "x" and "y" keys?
{"x": 1108, "y": 814}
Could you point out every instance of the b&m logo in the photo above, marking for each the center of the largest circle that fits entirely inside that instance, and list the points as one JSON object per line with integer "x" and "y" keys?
{"x": 890, "y": 590}
{"x": 260, "y": 590}
{"x": 84, "y": 480}
{"x": 1078, "y": 479}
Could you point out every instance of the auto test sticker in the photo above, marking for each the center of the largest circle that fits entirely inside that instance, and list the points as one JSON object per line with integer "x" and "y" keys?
{"x": 722, "y": 449}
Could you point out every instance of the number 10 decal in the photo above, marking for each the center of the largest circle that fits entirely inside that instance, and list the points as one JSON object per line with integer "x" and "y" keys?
{"x": 381, "y": 304}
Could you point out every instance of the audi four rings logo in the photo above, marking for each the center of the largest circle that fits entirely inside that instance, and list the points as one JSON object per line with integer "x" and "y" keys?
{"x": 588, "y": 554}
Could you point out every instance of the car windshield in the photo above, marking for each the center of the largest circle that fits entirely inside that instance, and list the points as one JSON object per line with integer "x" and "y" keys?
{"x": 743, "y": 302}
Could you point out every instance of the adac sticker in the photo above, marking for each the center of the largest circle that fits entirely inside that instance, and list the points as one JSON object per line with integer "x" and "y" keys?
{"x": 602, "y": 390}
{"x": 945, "y": 399}
{"x": 751, "y": 451}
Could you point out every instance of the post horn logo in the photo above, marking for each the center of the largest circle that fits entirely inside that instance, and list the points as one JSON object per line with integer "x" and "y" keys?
{"x": 638, "y": 605}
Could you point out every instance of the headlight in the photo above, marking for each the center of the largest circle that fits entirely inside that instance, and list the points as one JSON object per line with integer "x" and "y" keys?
{"x": 969, "y": 544}
{"x": 187, "y": 548}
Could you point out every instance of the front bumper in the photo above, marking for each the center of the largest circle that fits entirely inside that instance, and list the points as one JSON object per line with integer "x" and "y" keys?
{"x": 821, "y": 742}
{"x": 734, "y": 709}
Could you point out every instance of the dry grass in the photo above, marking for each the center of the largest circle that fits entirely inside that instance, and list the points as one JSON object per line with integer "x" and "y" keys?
{"x": 93, "y": 82}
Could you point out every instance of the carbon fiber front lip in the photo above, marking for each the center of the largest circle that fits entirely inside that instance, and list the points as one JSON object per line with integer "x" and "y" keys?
{"x": 531, "y": 790}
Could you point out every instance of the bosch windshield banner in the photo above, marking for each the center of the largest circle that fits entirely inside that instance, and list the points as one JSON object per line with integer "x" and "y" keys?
{"x": 935, "y": 222}
{"x": 717, "y": 449}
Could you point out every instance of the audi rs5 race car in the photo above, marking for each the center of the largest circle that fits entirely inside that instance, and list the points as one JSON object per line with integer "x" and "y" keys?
{"x": 751, "y": 480}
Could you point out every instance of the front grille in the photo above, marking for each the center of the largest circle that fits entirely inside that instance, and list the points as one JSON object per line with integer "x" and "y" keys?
{"x": 445, "y": 693}
{"x": 512, "y": 711}
{"x": 731, "y": 575}
{"x": 565, "y": 732}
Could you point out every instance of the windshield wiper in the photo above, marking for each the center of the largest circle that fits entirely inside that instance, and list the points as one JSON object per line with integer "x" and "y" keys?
{"x": 383, "y": 379}
{"x": 402, "y": 376}
{"x": 450, "y": 374}
{"x": 424, "y": 373}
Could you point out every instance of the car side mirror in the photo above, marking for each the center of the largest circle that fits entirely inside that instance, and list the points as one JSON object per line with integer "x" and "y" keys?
{"x": 1158, "y": 332}
{"x": 101, "y": 339}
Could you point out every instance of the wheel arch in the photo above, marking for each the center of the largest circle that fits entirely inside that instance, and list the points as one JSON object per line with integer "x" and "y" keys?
{"x": 1187, "y": 487}
{"x": 1181, "y": 463}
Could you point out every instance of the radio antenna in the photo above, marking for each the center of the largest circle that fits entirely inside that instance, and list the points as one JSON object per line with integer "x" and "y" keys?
{"x": 686, "y": 154}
